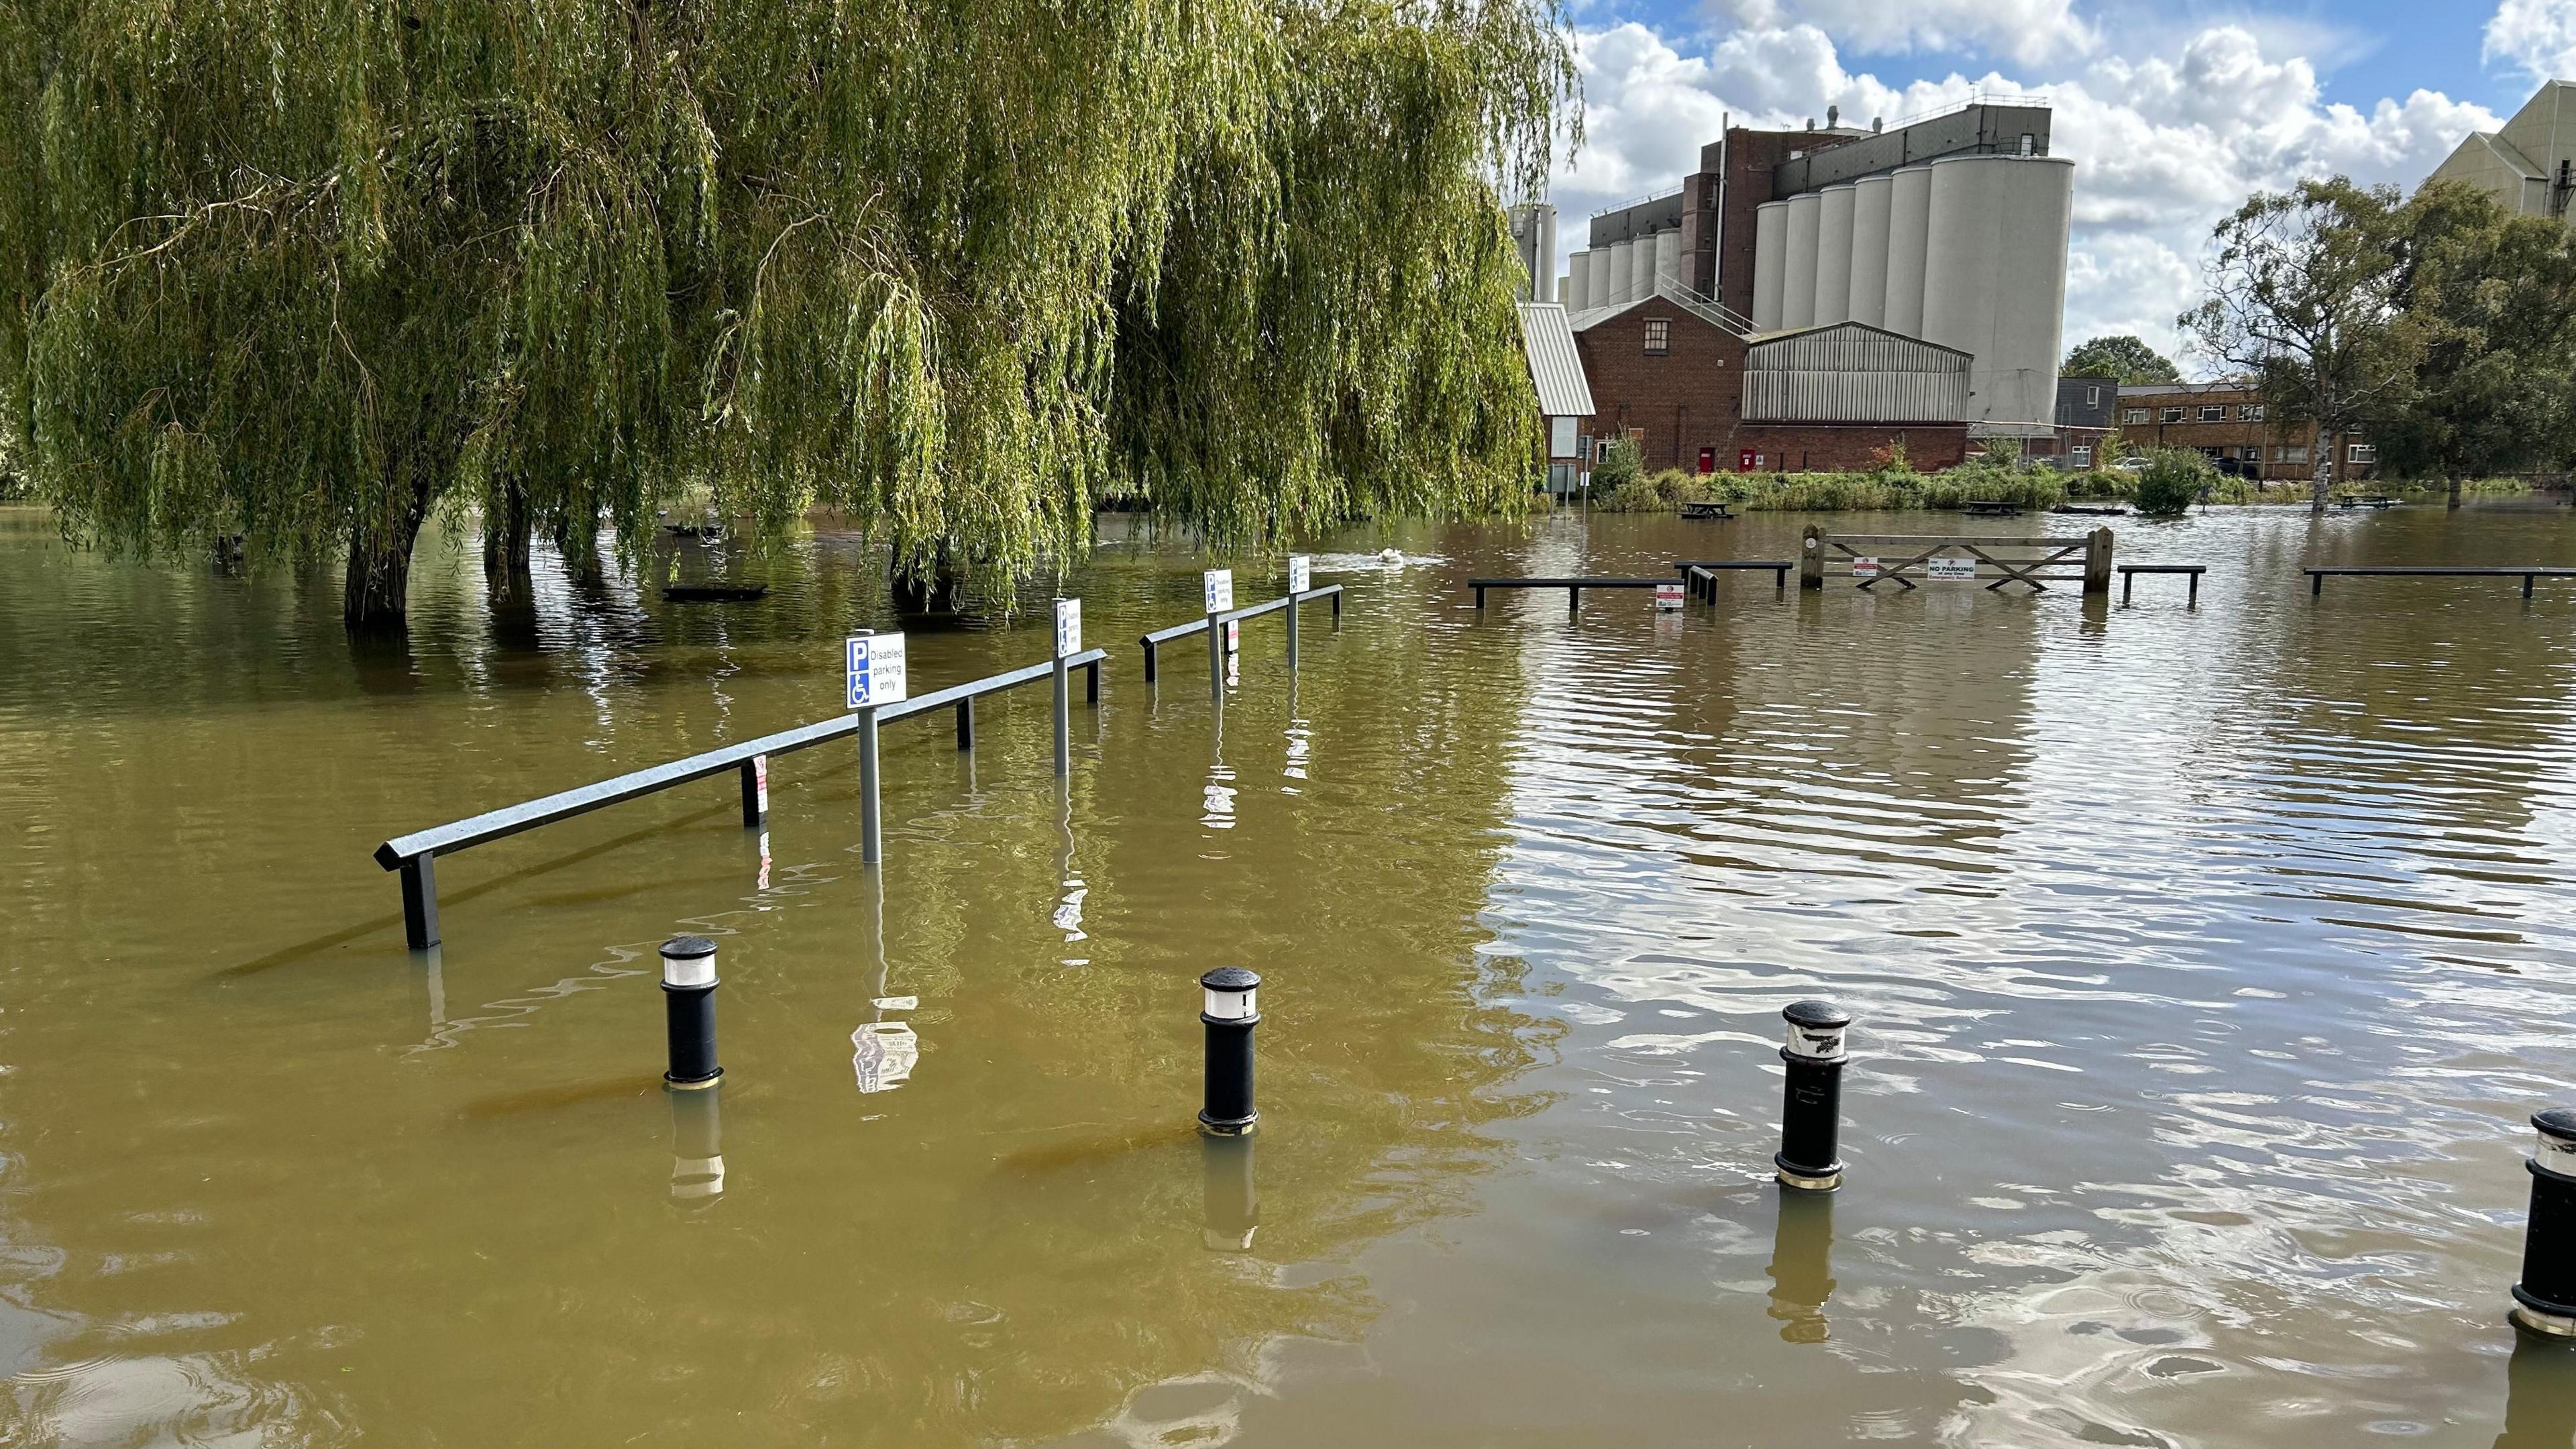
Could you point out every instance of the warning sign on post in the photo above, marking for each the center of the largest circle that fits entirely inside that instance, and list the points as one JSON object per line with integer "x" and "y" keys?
{"x": 1950, "y": 568}
{"x": 876, "y": 673}
{"x": 1668, "y": 597}
{"x": 1864, "y": 568}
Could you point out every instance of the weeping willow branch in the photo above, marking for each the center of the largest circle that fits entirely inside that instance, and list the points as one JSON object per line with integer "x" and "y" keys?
{"x": 314, "y": 269}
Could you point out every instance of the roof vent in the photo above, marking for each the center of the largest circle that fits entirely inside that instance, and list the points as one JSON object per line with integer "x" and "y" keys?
{"x": 1811, "y": 123}
{"x": 1833, "y": 117}
{"x": 1877, "y": 124}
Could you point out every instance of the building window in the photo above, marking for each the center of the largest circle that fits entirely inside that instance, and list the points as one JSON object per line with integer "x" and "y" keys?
{"x": 2291, "y": 454}
{"x": 2213, "y": 413}
{"x": 2029, "y": 144}
{"x": 1659, "y": 336}
{"x": 2250, "y": 413}
{"x": 2171, "y": 415}
{"x": 2092, "y": 397}
{"x": 2081, "y": 455}
{"x": 2134, "y": 415}
{"x": 2362, "y": 455}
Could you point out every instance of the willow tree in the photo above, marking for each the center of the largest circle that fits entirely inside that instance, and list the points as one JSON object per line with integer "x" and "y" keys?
{"x": 312, "y": 270}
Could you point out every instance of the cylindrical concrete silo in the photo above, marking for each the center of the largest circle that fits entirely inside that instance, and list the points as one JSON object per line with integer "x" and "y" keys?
{"x": 1770, "y": 241}
{"x": 1565, "y": 293}
{"x": 1668, "y": 261}
{"x": 1995, "y": 278}
{"x": 1870, "y": 199}
{"x": 1909, "y": 224}
{"x": 1798, "y": 257}
{"x": 1641, "y": 268}
{"x": 1578, "y": 270}
{"x": 1610, "y": 275}
{"x": 1834, "y": 254}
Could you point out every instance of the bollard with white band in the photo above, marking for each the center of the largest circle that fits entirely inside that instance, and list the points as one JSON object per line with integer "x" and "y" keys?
{"x": 1216, "y": 591}
{"x": 1812, "y": 1102}
{"x": 1068, "y": 643}
{"x": 697, "y": 1148}
{"x": 1301, "y": 577}
{"x": 755, "y": 792}
{"x": 2545, "y": 1299}
{"x": 1231, "y": 1011}
{"x": 875, "y": 666}
{"x": 689, "y": 1010}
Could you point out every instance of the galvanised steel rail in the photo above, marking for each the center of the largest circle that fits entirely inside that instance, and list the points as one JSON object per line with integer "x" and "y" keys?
{"x": 1701, "y": 573}
{"x": 1153, "y": 643}
{"x": 2129, "y": 579}
{"x": 2317, "y": 576}
{"x": 414, "y": 854}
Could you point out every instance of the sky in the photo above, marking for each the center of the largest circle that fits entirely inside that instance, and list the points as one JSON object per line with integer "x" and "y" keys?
{"x": 2173, "y": 112}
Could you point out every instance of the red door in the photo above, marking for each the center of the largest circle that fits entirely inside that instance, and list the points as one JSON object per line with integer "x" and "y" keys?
{"x": 1745, "y": 460}
{"x": 1708, "y": 460}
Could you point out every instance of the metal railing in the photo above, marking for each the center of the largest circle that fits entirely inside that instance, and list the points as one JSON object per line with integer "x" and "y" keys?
{"x": 2317, "y": 576}
{"x": 1573, "y": 587}
{"x": 414, "y": 855}
{"x": 1153, "y": 643}
{"x": 1701, "y": 574}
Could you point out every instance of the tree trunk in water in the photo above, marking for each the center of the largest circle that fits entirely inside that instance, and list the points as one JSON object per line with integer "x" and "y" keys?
{"x": 2324, "y": 483}
{"x": 373, "y": 598}
{"x": 580, "y": 558}
{"x": 507, "y": 577}
{"x": 2455, "y": 490}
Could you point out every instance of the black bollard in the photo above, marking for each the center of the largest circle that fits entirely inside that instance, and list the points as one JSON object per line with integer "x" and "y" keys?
{"x": 1802, "y": 1266}
{"x": 1812, "y": 1102}
{"x": 697, "y": 1147}
{"x": 1231, "y": 1013}
{"x": 1233, "y": 1203}
{"x": 689, "y": 1010}
{"x": 2545, "y": 1299}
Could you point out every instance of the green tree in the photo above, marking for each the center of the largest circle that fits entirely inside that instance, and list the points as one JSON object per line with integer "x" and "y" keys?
{"x": 2306, "y": 288}
{"x": 2125, "y": 357}
{"x": 313, "y": 271}
{"x": 2488, "y": 299}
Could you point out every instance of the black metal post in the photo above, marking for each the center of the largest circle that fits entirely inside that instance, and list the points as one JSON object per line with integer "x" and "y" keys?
{"x": 1063, "y": 718}
{"x": 2192, "y": 600}
{"x": 1233, "y": 1200}
{"x": 966, "y": 723}
{"x": 1216, "y": 660}
{"x": 697, "y": 1147}
{"x": 1811, "y": 1104}
{"x": 2316, "y": 585}
{"x": 1480, "y": 596}
{"x": 2545, "y": 1299}
{"x": 1150, "y": 651}
{"x": 1292, "y": 633}
{"x": 755, "y": 792}
{"x": 689, "y": 1010}
{"x": 1091, "y": 682}
{"x": 1231, "y": 1012}
{"x": 420, "y": 902}
{"x": 1573, "y": 601}
{"x": 1337, "y": 608}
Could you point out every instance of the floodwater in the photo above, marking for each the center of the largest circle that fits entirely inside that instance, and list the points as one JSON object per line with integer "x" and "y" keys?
{"x": 2205, "y": 963}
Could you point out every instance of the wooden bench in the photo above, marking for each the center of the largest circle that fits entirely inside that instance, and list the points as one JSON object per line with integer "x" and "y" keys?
{"x": 2129, "y": 579}
{"x": 2366, "y": 500}
{"x": 1701, "y": 574}
{"x": 1709, "y": 509}
{"x": 2317, "y": 576}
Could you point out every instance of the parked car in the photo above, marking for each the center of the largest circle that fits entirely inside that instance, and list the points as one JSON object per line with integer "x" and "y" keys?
{"x": 2131, "y": 464}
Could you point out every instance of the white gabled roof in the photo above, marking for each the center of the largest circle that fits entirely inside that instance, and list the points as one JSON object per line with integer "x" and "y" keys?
{"x": 1556, "y": 368}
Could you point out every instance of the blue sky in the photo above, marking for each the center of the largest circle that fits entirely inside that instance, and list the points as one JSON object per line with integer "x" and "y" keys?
{"x": 2173, "y": 112}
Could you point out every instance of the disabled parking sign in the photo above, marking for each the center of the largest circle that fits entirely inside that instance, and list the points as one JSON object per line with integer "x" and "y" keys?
{"x": 876, "y": 669}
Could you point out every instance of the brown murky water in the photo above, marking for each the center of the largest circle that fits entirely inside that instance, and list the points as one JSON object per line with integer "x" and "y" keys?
{"x": 2206, "y": 964}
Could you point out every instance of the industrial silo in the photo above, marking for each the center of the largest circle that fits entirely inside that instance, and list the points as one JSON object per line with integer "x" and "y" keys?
{"x": 1909, "y": 226}
{"x": 1798, "y": 262}
{"x": 1995, "y": 278}
{"x": 1668, "y": 261}
{"x": 1834, "y": 254}
{"x": 1770, "y": 243}
{"x": 1870, "y": 201}
{"x": 1623, "y": 275}
{"x": 1578, "y": 268}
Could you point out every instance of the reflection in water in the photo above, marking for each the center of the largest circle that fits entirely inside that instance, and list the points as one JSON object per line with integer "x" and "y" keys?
{"x": 1802, "y": 1267}
{"x": 2540, "y": 1402}
{"x": 1067, "y": 916}
{"x": 882, "y": 1052}
{"x": 697, "y": 1146}
{"x": 1232, "y": 1204}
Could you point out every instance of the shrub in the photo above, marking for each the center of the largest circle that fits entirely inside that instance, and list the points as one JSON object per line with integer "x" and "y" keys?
{"x": 1661, "y": 493}
{"x": 1619, "y": 467}
{"x": 2172, "y": 481}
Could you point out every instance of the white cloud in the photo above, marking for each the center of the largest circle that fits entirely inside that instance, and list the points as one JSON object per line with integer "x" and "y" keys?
{"x": 2538, "y": 37}
{"x": 2027, "y": 31}
{"x": 2165, "y": 144}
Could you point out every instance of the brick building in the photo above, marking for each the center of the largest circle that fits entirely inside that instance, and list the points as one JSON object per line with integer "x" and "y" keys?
{"x": 1663, "y": 301}
{"x": 2229, "y": 421}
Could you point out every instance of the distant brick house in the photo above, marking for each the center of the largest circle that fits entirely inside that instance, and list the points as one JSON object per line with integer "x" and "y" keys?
{"x": 2087, "y": 411}
{"x": 2229, "y": 421}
